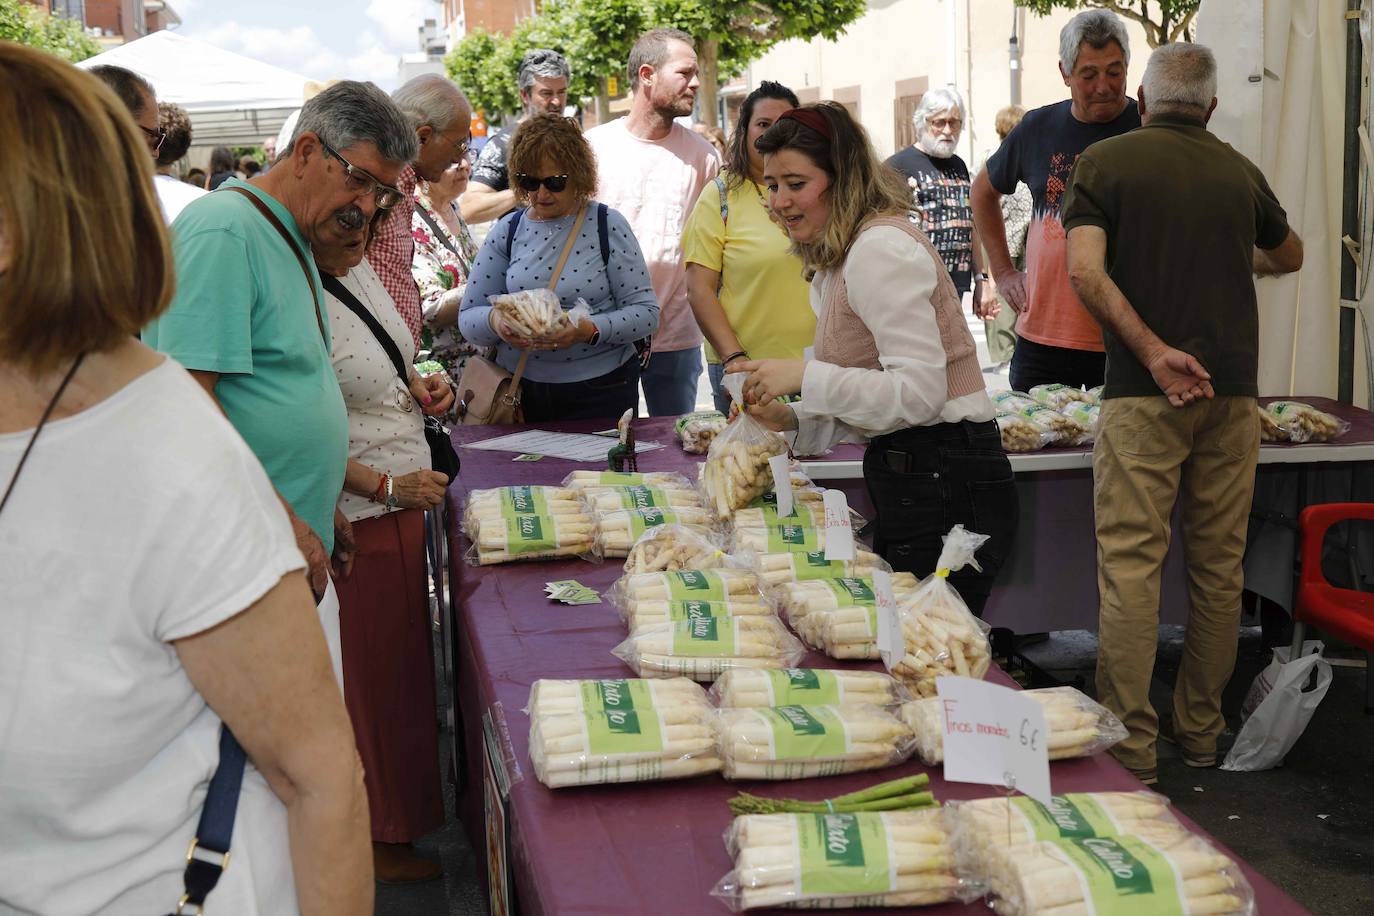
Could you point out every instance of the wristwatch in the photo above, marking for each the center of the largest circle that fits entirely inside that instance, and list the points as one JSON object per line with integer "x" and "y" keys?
{"x": 984, "y": 277}
{"x": 391, "y": 501}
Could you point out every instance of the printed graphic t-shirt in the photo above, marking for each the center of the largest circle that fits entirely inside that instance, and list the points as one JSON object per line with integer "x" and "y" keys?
{"x": 1041, "y": 151}
{"x": 940, "y": 190}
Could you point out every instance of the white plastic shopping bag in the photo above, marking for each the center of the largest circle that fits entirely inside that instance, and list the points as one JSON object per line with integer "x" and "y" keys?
{"x": 1280, "y": 704}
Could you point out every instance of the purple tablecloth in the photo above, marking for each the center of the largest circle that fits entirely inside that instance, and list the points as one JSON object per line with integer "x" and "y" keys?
{"x": 639, "y": 848}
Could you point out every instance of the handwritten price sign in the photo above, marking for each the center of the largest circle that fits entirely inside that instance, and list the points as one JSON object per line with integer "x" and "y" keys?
{"x": 994, "y": 736}
{"x": 839, "y": 533}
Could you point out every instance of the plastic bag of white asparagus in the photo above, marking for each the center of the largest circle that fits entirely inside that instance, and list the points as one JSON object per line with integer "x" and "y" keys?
{"x": 1020, "y": 434}
{"x": 667, "y": 548}
{"x": 684, "y": 585}
{"x": 942, "y": 637}
{"x": 562, "y": 698}
{"x": 832, "y": 861}
{"x": 609, "y": 499}
{"x": 649, "y": 613}
{"x": 776, "y": 569}
{"x": 1086, "y": 416}
{"x": 664, "y": 480}
{"x": 618, "y": 530}
{"x": 1271, "y": 430}
{"x": 1306, "y": 423}
{"x": 805, "y": 687}
{"x": 798, "y": 599}
{"x": 536, "y": 312}
{"x": 1121, "y": 874}
{"x": 736, "y": 471}
{"x": 636, "y": 745}
{"x": 696, "y": 430}
{"x": 786, "y": 538}
{"x": 514, "y": 538}
{"x": 503, "y": 502}
{"x": 1077, "y": 726}
{"x": 797, "y": 742}
{"x": 706, "y": 647}
{"x": 1060, "y": 396}
{"x": 844, "y": 633}
{"x": 765, "y": 515}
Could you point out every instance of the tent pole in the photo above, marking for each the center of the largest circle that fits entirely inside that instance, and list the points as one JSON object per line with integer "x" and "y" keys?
{"x": 1350, "y": 217}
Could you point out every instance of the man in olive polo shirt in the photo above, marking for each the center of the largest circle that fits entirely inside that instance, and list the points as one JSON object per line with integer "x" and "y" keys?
{"x": 1166, "y": 227}
{"x": 248, "y": 319}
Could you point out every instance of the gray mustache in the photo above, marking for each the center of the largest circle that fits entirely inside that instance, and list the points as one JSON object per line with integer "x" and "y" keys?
{"x": 351, "y": 217}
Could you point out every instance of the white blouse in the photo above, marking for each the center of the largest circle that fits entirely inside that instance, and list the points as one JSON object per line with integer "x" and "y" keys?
{"x": 890, "y": 278}
{"x": 386, "y": 430}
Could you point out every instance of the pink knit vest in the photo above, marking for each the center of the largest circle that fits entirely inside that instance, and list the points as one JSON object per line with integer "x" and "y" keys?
{"x": 842, "y": 338}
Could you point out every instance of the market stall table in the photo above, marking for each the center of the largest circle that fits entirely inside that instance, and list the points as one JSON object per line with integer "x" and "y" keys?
{"x": 630, "y": 848}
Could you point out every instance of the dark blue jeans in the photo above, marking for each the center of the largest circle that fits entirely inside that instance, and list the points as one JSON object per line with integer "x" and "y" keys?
{"x": 927, "y": 479}
{"x": 670, "y": 382}
{"x": 604, "y": 397}
{"x": 1040, "y": 364}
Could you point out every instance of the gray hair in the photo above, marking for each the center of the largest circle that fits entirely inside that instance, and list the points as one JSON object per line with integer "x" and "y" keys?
{"x": 1180, "y": 76}
{"x": 652, "y": 48}
{"x": 542, "y": 63}
{"x": 935, "y": 101}
{"x": 349, "y": 113}
{"x": 1096, "y": 27}
{"x": 429, "y": 99}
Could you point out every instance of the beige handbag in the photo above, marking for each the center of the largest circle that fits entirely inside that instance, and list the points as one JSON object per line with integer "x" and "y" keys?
{"x": 488, "y": 394}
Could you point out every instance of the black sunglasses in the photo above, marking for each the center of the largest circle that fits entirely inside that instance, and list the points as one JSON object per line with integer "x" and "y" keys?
{"x": 529, "y": 183}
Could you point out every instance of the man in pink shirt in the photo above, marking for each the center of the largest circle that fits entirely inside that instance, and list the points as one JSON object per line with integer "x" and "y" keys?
{"x": 652, "y": 170}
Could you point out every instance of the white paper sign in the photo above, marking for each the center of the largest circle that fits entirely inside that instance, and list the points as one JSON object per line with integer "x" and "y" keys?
{"x": 994, "y": 736}
{"x": 782, "y": 484}
{"x": 839, "y": 535}
{"x": 891, "y": 643}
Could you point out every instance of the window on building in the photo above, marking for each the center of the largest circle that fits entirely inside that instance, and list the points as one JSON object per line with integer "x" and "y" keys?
{"x": 907, "y": 96}
{"x": 848, "y": 96}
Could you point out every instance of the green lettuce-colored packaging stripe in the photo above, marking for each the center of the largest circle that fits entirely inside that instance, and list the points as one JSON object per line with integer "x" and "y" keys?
{"x": 805, "y": 732}
{"x": 705, "y": 637}
{"x": 633, "y": 731}
{"x": 803, "y": 687}
{"x": 1125, "y": 876}
{"x": 530, "y": 534}
{"x": 1073, "y": 816}
{"x": 843, "y": 855}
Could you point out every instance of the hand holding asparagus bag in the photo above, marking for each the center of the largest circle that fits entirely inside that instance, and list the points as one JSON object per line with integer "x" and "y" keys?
{"x": 736, "y": 471}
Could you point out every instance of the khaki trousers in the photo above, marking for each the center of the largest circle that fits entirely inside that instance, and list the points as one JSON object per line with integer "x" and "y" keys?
{"x": 1148, "y": 455}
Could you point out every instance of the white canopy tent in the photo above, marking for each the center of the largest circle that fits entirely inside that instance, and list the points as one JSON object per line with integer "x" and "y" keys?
{"x": 232, "y": 100}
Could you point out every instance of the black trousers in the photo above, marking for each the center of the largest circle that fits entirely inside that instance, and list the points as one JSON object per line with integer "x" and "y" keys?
{"x": 604, "y": 397}
{"x": 927, "y": 479}
{"x": 1040, "y": 364}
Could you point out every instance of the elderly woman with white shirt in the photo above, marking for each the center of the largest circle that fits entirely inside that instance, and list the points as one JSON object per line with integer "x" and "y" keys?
{"x": 894, "y": 362}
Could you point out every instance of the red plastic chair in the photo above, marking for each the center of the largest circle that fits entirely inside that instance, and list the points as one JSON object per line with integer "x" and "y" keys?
{"x": 1342, "y": 612}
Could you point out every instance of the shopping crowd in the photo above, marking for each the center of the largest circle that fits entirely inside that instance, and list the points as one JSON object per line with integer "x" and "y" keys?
{"x": 217, "y": 451}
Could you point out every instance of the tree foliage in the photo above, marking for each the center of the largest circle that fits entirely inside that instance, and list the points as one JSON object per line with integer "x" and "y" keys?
{"x": 27, "y": 25}
{"x": 1163, "y": 20}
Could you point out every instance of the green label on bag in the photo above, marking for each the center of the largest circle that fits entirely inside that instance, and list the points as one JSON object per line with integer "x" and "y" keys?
{"x": 640, "y": 497}
{"x": 1120, "y": 871}
{"x": 631, "y": 731}
{"x": 814, "y": 565}
{"x": 695, "y": 584}
{"x": 686, "y": 418}
{"x": 641, "y": 520}
{"x": 523, "y": 501}
{"x": 615, "y": 696}
{"x": 1073, "y": 816}
{"x": 771, "y": 517}
{"x": 704, "y": 637}
{"x": 530, "y": 534}
{"x": 792, "y": 538}
{"x": 621, "y": 479}
{"x": 843, "y": 855}
{"x": 697, "y": 610}
{"x": 804, "y": 687}
{"x": 805, "y": 732}
{"x": 852, "y": 592}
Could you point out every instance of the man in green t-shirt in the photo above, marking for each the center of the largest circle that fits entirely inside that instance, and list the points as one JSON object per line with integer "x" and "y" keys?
{"x": 1166, "y": 226}
{"x": 248, "y": 319}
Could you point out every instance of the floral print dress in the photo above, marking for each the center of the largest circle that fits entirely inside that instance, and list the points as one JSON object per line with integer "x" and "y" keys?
{"x": 442, "y": 261}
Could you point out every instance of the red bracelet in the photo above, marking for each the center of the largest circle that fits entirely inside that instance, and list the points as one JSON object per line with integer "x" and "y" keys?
{"x": 380, "y": 493}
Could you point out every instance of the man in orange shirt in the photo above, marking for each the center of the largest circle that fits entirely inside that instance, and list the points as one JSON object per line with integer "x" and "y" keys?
{"x": 1059, "y": 341}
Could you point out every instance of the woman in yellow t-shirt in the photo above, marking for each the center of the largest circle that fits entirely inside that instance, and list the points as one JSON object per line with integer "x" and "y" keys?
{"x": 745, "y": 287}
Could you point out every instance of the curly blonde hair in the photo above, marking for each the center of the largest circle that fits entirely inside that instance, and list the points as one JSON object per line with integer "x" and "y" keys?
{"x": 560, "y": 140}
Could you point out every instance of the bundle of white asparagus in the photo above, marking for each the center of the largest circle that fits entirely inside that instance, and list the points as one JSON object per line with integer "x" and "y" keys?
{"x": 777, "y": 569}
{"x": 668, "y": 741}
{"x": 786, "y": 539}
{"x": 663, "y": 480}
{"x": 562, "y": 698}
{"x": 531, "y": 312}
{"x": 667, "y": 548}
{"x": 1060, "y": 396}
{"x": 736, "y": 471}
{"x": 685, "y": 585}
{"x": 807, "y": 514}
{"x": 831, "y": 861}
{"x": 1306, "y": 423}
{"x": 798, "y": 599}
{"x": 844, "y": 633}
{"x": 1121, "y": 874}
{"x": 618, "y": 530}
{"x": 705, "y": 647}
{"x": 504, "y": 502}
{"x": 531, "y": 537}
{"x": 696, "y": 430}
{"x": 805, "y": 687}
{"x": 1271, "y": 430}
{"x": 1020, "y": 434}
{"x": 1077, "y": 726}
{"x": 609, "y": 499}
{"x": 797, "y": 742}
{"x": 640, "y": 614}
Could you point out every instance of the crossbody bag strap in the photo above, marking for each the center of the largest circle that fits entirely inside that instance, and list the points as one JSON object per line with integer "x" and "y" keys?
{"x": 553, "y": 281}
{"x": 271, "y": 217}
{"x": 336, "y": 289}
{"x": 434, "y": 225}
{"x": 208, "y": 856}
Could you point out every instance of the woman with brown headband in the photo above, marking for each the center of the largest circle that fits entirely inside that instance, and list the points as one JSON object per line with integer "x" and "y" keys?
{"x": 894, "y": 361}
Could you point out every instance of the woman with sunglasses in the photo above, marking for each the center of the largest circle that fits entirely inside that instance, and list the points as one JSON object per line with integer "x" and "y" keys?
{"x": 589, "y": 370}
{"x": 894, "y": 362}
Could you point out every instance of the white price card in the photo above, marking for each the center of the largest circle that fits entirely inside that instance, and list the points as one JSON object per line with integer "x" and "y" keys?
{"x": 891, "y": 643}
{"x": 782, "y": 484}
{"x": 994, "y": 736}
{"x": 839, "y": 534}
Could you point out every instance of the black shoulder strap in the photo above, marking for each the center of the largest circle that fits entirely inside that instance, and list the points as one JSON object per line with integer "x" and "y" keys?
{"x": 439, "y": 234}
{"x": 510, "y": 230}
{"x": 215, "y": 829}
{"x": 350, "y": 301}
{"x": 603, "y": 233}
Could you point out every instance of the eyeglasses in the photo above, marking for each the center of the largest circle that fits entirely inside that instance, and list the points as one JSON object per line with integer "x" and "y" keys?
{"x": 942, "y": 123}
{"x": 155, "y": 137}
{"x": 361, "y": 183}
{"x": 529, "y": 183}
{"x": 464, "y": 148}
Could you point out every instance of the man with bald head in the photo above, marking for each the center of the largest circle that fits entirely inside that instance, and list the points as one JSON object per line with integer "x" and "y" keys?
{"x": 441, "y": 117}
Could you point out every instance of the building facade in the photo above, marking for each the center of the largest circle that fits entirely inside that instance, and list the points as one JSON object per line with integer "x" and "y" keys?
{"x": 496, "y": 16}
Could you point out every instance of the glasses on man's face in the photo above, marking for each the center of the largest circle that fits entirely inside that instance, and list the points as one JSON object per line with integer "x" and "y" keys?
{"x": 943, "y": 123}
{"x": 462, "y": 149}
{"x": 155, "y": 138}
{"x": 530, "y": 183}
{"x": 362, "y": 184}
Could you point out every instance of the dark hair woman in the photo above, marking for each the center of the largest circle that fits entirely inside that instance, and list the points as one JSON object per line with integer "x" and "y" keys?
{"x": 221, "y": 167}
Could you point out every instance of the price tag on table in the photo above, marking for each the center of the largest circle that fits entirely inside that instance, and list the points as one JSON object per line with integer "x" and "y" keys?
{"x": 891, "y": 643}
{"x": 995, "y": 736}
{"x": 839, "y": 534}
{"x": 782, "y": 484}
